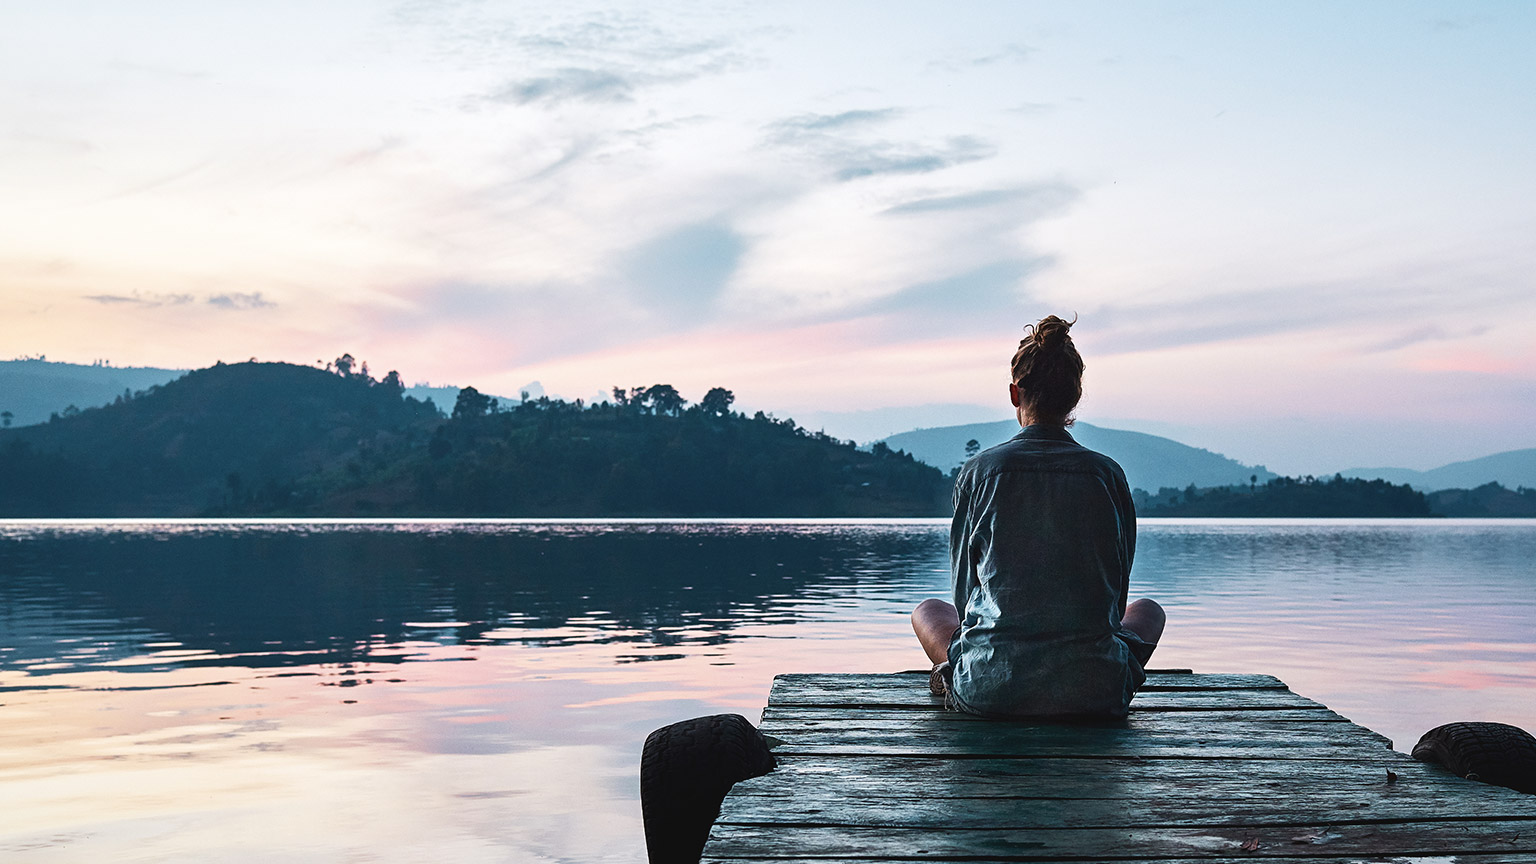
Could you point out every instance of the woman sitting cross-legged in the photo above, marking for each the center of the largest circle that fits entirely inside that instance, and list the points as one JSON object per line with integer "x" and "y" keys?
{"x": 1040, "y": 553}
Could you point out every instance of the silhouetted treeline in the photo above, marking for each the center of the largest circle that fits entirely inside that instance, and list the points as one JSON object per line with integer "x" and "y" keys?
{"x": 647, "y": 453}
{"x": 280, "y": 439}
{"x": 1490, "y": 499}
{"x": 1288, "y": 497}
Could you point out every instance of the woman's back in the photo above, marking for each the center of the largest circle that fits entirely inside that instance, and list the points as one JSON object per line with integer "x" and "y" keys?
{"x": 1041, "y": 546}
{"x": 1040, "y": 552}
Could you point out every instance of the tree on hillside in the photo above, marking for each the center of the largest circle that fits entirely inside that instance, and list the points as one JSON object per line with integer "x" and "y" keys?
{"x": 6, "y": 417}
{"x": 717, "y": 402}
{"x": 392, "y": 382}
{"x": 344, "y": 364}
{"x": 665, "y": 399}
{"x": 471, "y": 403}
{"x": 972, "y": 447}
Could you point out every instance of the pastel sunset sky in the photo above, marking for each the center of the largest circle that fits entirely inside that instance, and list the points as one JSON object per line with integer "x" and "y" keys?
{"x": 1299, "y": 233}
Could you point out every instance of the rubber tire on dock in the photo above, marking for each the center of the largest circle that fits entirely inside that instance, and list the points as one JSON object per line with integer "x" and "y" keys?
{"x": 685, "y": 771}
{"x": 1494, "y": 753}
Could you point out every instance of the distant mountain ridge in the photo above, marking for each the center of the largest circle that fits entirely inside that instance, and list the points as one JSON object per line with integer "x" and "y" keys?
{"x": 1151, "y": 462}
{"x": 1512, "y": 469}
{"x": 33, "y": 390}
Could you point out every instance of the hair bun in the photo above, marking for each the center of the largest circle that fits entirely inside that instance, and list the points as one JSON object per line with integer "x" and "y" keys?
{"x": 1050, "y": 333}
{"x": 1048, "y": 371}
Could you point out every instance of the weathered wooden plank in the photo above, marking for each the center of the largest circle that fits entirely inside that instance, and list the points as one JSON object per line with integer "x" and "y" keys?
{"x": 968, "y": 740}
{"x": 1154, "y": 682}
{"x": 1495, "y": 837}
{"x": 1185, "y": 807}
{"x": 901, "y": 777}
{"x": 1194, "y": 718}
{"x": 1173, "y": 723}
{"x": 1264, "y": 727}
{"x": 918, "y": 697}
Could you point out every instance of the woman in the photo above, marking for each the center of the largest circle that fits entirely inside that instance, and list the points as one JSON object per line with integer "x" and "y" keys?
{"x": 1040, "y": 553}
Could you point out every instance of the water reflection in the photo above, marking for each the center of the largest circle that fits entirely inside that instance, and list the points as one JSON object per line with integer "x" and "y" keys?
{"x": 291, "y": 595}
{"x": 402, "y": 692}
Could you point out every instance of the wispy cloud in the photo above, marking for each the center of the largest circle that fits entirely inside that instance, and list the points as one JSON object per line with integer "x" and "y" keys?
{"x": 839, "y": 141}
{"x": 565, "y": 85}
{"x": 1044, "y": 196}
{"x": 887, "y": 158}
{"x": 1010, "y": 53}
{"x": 790, "y": 127}
{"x": 236, "y": 300}
{"x": 1370, "y": 305}
{"x": 605, "y": 58}
{"x": 138, "y": 299}
{"x": 1419, "y": 335}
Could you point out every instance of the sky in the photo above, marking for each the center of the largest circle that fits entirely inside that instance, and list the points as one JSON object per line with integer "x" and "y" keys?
{"x": 1300, "y": 234}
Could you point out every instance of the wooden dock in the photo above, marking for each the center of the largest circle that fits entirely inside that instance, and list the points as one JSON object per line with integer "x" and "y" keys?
{"x": 1209, "y": 768}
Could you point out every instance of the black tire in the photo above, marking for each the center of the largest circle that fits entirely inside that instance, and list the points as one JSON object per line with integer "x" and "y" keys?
{"x": 685, "y": 771}
{"x": 1494, "y": 753}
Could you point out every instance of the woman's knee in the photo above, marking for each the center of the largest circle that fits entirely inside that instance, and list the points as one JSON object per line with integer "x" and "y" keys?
{"x": 931, "y": 612}
{"x": 930, "y": 607}
{"x": 1146, "y": 618}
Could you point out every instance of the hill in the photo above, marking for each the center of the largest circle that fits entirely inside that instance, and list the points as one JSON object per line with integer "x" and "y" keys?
{"x": 33, "y": 390}
{"x": 1512, "y": 468}
{"x": 548, "y": 457}
{"x": 274, "y": 438}
{"x": 1151, "y": 462}
{"x": 1490, "y": 499}
{"x": 244, "y": 430}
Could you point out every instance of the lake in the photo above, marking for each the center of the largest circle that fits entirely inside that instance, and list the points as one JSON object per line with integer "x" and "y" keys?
{"x": 479, "y": 690}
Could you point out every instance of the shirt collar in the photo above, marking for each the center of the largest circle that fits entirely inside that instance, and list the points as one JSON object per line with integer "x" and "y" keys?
{"x": 1041, "y": 431}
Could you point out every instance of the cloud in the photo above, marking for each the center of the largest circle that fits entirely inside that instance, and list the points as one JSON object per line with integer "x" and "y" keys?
{"x": 603, "y": 59}
{"x": 235, "y": 300}
{"x": 138, "y": 299}
{"x": 816, "y": 123}
{"x": 563, "y": 85}
{"x": 985, "y": 291}
{"x": 833, "y": 139}
{"x": 1013, "y": 52}
{"x": 1427, "y": 333}
{"x": 1043, "y": 197}
{"x": 885, "y": 158}
{"x": 685, "y": 269}
{"x": 1361, "y": 308}
{"x": 232, "y": 300}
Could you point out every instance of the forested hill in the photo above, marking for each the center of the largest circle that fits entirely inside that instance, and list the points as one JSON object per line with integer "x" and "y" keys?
{"x": 184, "y": 447}
{"x": 281, "y": 439}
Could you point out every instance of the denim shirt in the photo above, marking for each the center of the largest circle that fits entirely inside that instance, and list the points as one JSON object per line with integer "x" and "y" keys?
{"x": 1040, "y": 553}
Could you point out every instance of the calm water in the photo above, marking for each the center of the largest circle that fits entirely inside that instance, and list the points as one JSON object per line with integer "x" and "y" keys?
{"x": 479, "y": 691}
